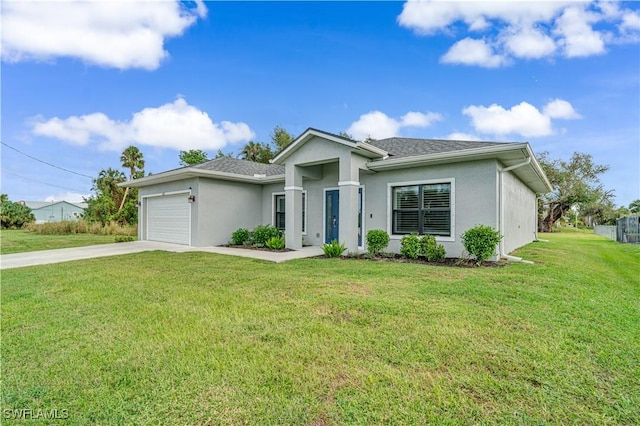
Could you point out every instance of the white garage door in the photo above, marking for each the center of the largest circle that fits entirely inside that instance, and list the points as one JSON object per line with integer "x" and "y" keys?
{"x": 168, "y": 219}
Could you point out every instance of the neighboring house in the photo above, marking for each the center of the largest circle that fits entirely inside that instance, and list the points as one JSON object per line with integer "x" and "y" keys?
{"x": 324, "y": 187}
{"x": 47, "y": 211}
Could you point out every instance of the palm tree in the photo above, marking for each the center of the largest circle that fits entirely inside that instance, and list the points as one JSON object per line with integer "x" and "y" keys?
{"x": 133, "y": 160}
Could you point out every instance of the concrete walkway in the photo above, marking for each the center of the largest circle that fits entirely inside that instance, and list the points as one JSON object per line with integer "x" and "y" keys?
{"x": 19, "y": 260}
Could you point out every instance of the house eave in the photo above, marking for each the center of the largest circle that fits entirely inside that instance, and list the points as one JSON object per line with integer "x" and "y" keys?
{"x": 190, "y": 172}
{"x": 507, "y": 154}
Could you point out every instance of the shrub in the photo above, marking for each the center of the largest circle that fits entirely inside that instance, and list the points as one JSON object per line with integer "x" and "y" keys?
{"x": 333, "y": 249}
{"x": 377, "y": 240}
{"x": 480, "y": 241}
{"x": 124, "y": 238}
{"x": 81, "y": 226}
{"x": 15, "y": 215}
{"x": 275, "y": 243}
{"x": 410, "y": 246}
{"x": 433, "y": 251}
{"x": 263, "y": 233}
{"x": 240, "y": 236}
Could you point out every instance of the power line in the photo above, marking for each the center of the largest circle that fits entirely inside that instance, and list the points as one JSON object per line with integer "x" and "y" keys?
{"x": 44, "y": 162}
{"x": 39, "y": 181}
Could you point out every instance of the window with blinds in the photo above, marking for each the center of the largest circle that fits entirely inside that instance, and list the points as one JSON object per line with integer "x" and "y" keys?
{"x": 422, "y": 209}
{"x": 279, "y": 211}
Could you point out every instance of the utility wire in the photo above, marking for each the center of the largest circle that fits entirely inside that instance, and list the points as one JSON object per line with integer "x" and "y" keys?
{"x": 39, "y": 181}
{"x": 44, "y": 162}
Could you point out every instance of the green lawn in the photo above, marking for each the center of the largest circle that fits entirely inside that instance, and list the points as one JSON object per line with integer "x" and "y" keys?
{"x": 18, "y": 241}
{"x": 195, "y": 338}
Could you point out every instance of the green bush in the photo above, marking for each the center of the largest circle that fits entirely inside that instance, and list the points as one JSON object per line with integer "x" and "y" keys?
{"x": 377, "y": 240}
{"x": 124, "y": 238}
{"x": 333, "y": 249}
{"x": 410, "y": 246}
{"x": 430, "y": 249}
{"x": 263, "y": 233}
{"x": 240, "y": 236}
{"x": 480, "y": 241}
{"x": 15, "y": 215}
{"x": 81, "y": 226}
{"x": 275, "y": 243}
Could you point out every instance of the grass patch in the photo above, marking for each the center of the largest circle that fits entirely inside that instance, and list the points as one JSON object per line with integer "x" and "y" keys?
{"x": 20, "y": 241}
{"x": 199, "y": 338}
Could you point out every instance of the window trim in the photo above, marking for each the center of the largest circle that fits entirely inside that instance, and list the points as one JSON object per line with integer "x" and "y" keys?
{"x": 305, "y": 207}
{"x": 391, "y": 185}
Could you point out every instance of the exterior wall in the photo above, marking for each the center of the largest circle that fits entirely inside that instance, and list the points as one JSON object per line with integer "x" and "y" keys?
{"x": 57, "y": 212}
{"x": 185, "y": 185}
{"x": 223, "y": 207}
{"x": 475, "y": 198}
{"x": 520, "y": 213}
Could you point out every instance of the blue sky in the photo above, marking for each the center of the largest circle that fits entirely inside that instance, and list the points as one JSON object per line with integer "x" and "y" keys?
{"x": 83, "y": 80}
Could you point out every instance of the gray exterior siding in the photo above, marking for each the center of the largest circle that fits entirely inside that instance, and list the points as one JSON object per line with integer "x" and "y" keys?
{"x": 520, "y": 213}
{"x": 223, "y": 207}
{"x": 474, "y": 199}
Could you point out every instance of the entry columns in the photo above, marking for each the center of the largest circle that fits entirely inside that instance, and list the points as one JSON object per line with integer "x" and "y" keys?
{"x": 293, "y": 207}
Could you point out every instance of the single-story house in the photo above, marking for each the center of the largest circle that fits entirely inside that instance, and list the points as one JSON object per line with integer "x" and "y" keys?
{"x": 324, "y": 187}
{"x": 55, "y": 211}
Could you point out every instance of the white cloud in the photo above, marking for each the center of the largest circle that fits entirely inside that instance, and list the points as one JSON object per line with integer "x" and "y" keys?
{"x": 378, "y": 125}
{"x": 522, "y": 28}
{"x": 70, "y": 197}
{"x": 118, "y": 34}
{"x": 578, "y": 38}
{"x": 523, "y": 119}
{"x": 460, "y": 136}
{"x": 530, "y": 43}
{"x": 473, "y": 52}
{"x": 561, "y": 109}
{"x": 176, "y": 125}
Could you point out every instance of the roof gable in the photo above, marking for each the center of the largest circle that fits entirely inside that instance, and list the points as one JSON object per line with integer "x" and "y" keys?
{"x": 241, "y": 167}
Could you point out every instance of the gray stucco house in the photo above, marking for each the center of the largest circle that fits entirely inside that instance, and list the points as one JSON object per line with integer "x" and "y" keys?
{"x": 324, "y": 187}
{"x": 55, "y": 211}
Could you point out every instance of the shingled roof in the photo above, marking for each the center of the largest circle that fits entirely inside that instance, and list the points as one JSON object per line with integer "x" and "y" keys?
{"x": 241, "y": 167}
{"x": 410, "y": 147}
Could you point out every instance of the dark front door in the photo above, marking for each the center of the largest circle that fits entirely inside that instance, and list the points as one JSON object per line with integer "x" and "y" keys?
{"x": 332, "y": 219}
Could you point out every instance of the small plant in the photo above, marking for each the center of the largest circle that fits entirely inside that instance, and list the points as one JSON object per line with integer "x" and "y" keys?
{"x": 480, "y": 241}
{"x": 275, "y": 243}
{"x": 377, "y": 240}
{"x": 263, "y": 233}
{"x": 333, "y": 249}
{"x": 123, "y": 238}
{"x": 240, "y": 236}
{"x": 410, "y": 246}
{"x": 430, "y": 249}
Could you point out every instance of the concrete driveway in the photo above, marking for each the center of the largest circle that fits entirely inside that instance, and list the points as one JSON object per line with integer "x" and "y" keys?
{"x": 19, "y": 260}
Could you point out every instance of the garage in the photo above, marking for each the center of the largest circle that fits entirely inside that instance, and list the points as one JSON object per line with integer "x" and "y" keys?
{"x": 168, "y": 218}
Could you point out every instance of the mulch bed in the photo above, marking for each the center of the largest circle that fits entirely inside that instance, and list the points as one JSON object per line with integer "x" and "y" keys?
{"x": 450, "y": 261}
{"x": 254, "y": 248}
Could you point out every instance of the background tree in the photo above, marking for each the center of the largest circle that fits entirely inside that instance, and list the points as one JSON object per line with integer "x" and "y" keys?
{"x": 575, "y": 182}
{"x": 257, "y": 151}
{"x": 14, "y": 215}
{"x": 221, "y": 154}
{"x": 133, "y": 160}
{"x": 634, "y": 207}
{"x": 103, "y": 206}
{"x": 280, "y": 138}
{"x": 193, "y": 157}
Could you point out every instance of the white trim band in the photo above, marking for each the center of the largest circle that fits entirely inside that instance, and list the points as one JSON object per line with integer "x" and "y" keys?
{"x": 293, "y": 188}
{"x": 349, "y": 182}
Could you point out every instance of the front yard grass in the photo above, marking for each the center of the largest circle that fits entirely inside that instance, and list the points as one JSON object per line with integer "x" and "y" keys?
{"x": 196, "y": 338}
{"x": 19, "y": 241}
